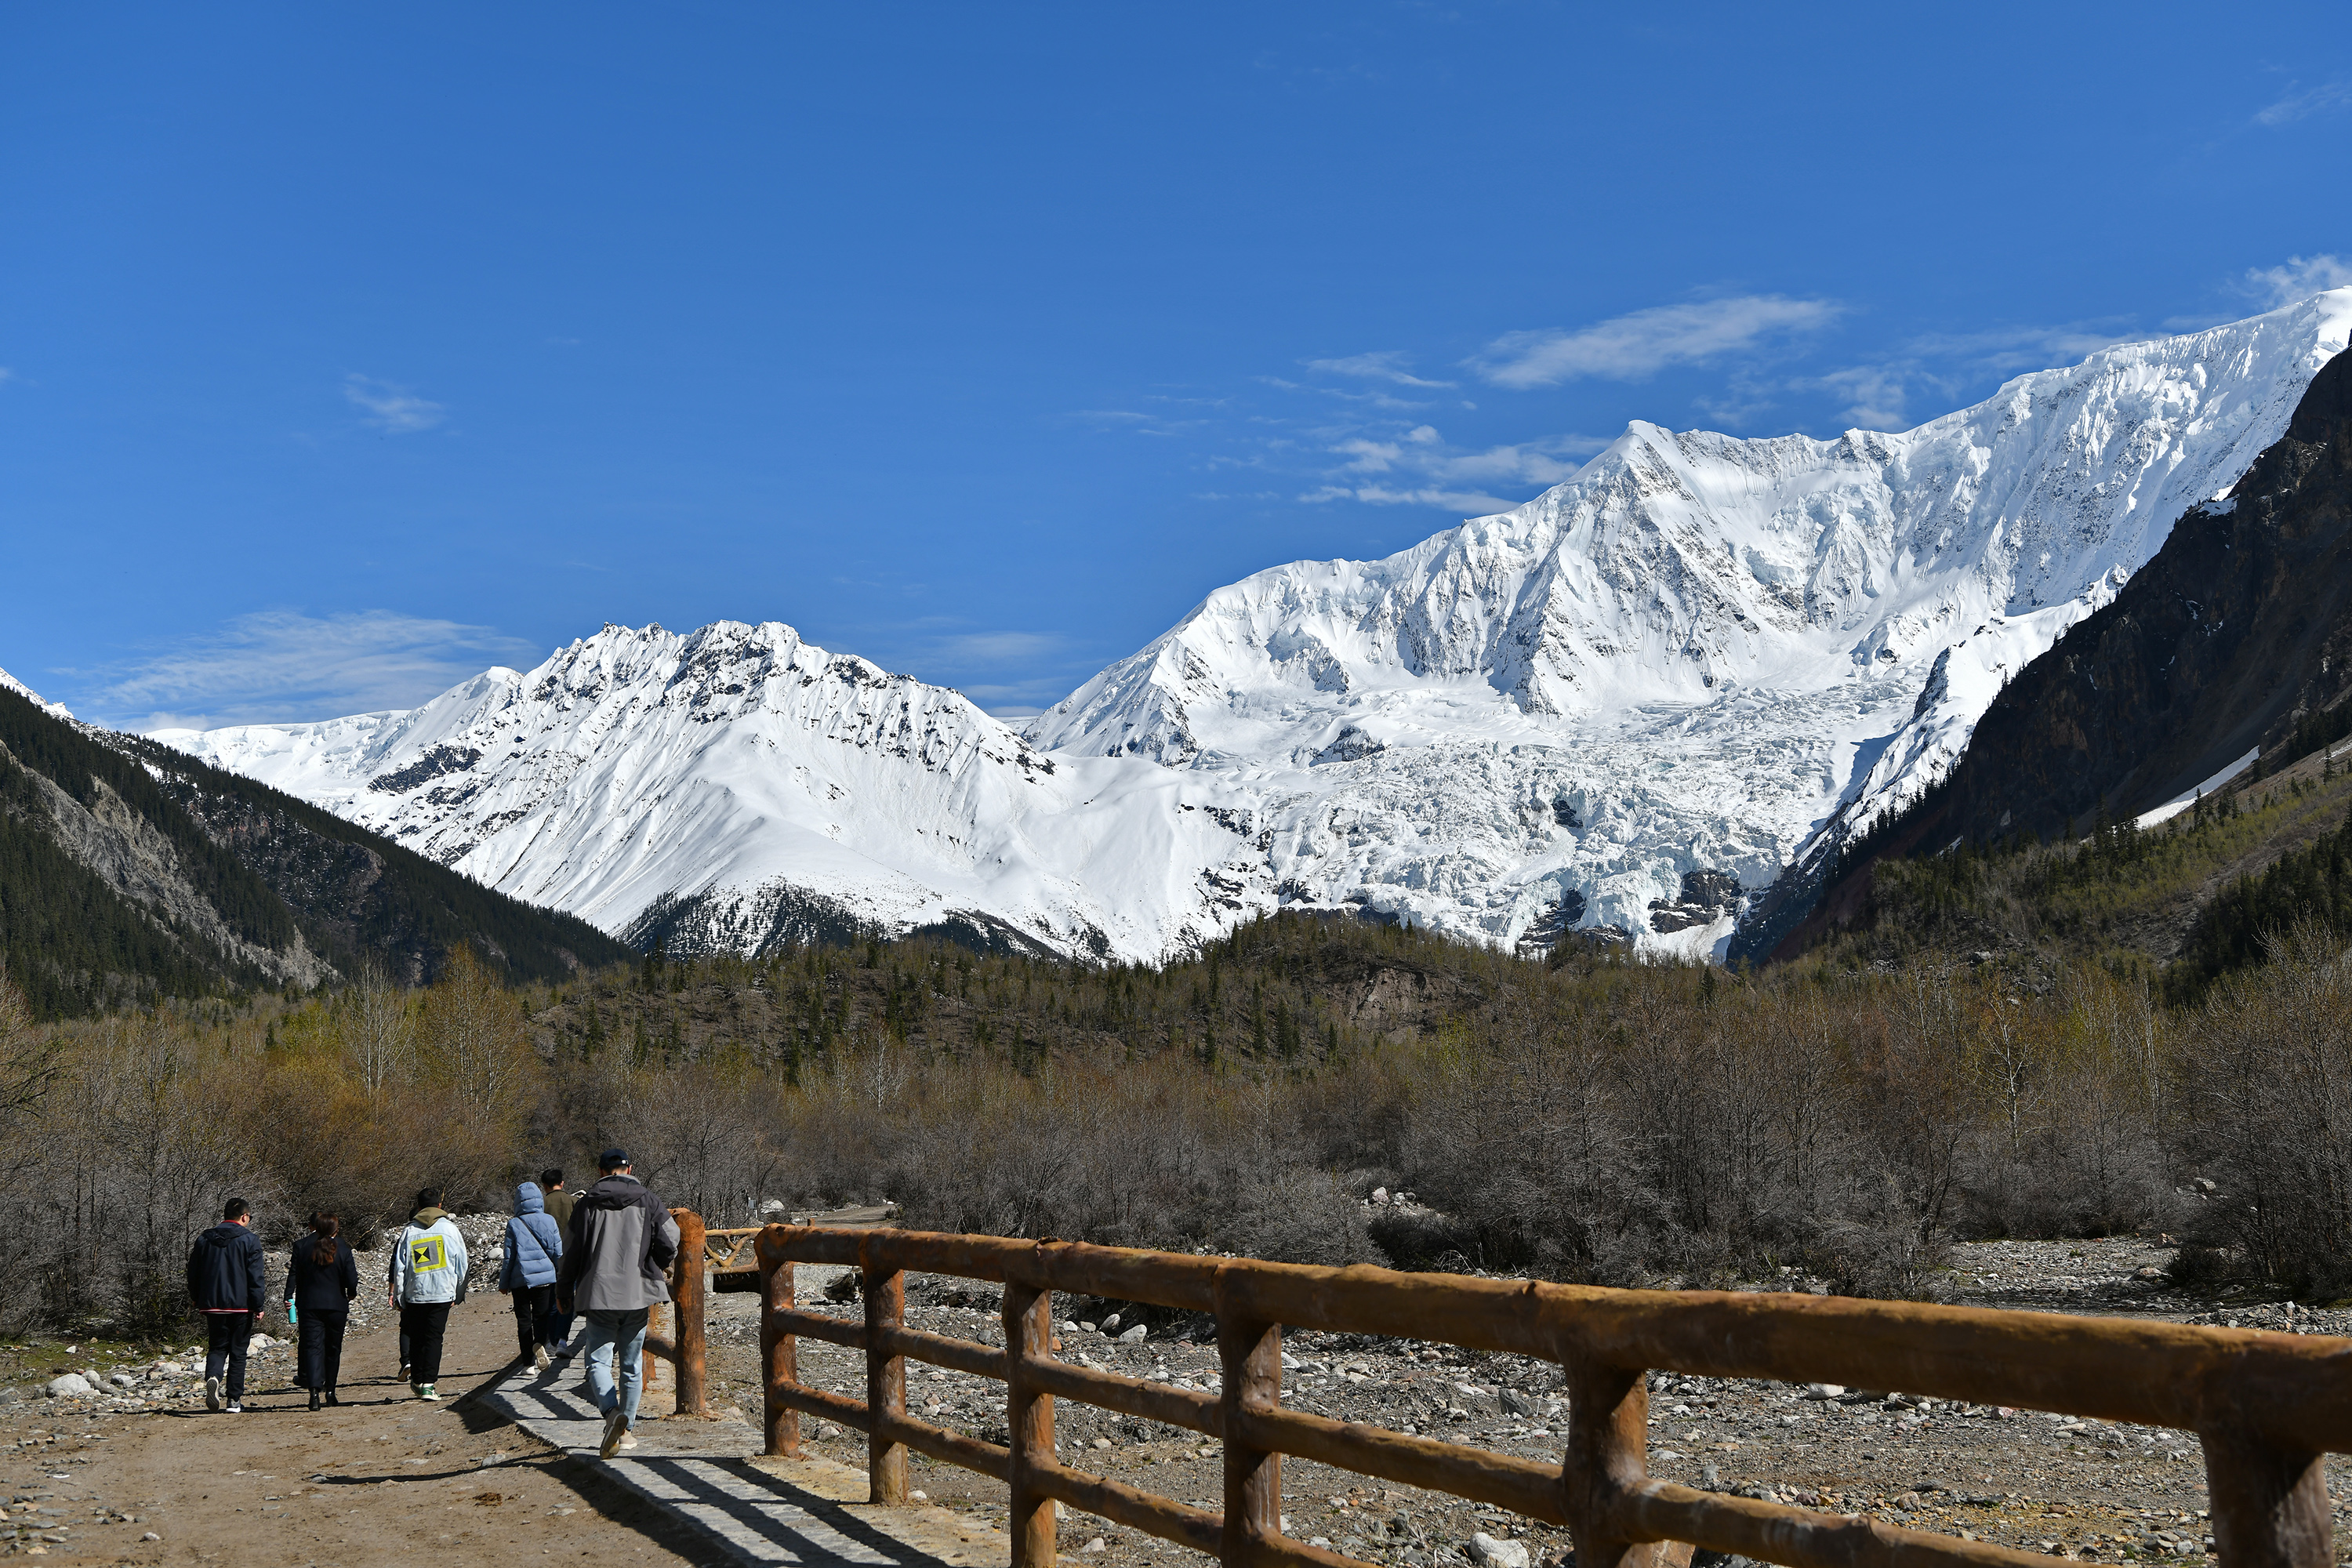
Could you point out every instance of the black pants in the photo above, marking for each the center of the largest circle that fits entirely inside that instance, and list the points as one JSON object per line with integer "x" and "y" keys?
{"x": 534, "y": 1310}
{"x": 424, "y": 1326}
{"x": 226, "y": 1336}
{"x": 320, "y": 1364}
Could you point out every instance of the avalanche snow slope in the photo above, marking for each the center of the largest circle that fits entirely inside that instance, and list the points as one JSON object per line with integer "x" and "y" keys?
{"x": 1675, "y": 669}
{"x": 736, "y": 787}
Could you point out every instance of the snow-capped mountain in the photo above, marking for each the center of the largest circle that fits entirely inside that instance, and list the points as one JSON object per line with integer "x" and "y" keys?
{"x": 735, "y": 785}
{"x": 1671, "y": 669}
{"x": 1628, "y": 703}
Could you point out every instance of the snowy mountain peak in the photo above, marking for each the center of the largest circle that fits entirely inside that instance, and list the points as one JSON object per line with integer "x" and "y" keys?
{"x": 1624, "y": 706}
{"x": 1679, "y": 566}
{"x": 729, "y": 782}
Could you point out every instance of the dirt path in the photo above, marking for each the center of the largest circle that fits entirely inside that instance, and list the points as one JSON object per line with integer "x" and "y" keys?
{"x": 381, "y": 1479}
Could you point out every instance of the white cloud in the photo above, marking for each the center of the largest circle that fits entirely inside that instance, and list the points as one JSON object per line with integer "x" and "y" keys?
{"x": 284, "y": 665}
{"x": 1944, "y": 365}
{"x": 1451, "y": 477}
{"x": 2313, "y": 101}
{"x": 395, "y": 410}
{"x": 1874, "y": 393}
{"x": 1387, "y": 365}
{"x": 2299, "y": 279}
{"x": 1466, "y": 503}
{"x": 1638, "y": 345}
{"x": 997, "y": 647}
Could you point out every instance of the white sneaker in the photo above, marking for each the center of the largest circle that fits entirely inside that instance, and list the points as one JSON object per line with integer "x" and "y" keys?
{"x": 235, "y": 1408}
{"x": 616, "y": 1431}
{"x": 212, "y": 1394}
{"x": 540, "y": 1358}
{"x": 628, "y": 1441}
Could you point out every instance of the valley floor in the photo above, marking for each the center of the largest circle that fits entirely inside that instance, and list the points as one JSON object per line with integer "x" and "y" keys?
{"x": 383, "y": 1478}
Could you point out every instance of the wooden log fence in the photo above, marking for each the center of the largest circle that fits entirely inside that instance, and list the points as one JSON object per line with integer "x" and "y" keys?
{"x": 2267, "y": 1406}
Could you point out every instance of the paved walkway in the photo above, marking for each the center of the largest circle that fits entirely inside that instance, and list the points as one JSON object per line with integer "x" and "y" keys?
{"x": 809, "y": 1512}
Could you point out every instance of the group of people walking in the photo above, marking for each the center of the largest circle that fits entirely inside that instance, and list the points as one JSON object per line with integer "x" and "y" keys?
{"x": 601, "y": 1256}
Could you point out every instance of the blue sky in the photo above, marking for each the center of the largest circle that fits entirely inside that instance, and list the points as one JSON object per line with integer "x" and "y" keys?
{"x": 349, "y": 350}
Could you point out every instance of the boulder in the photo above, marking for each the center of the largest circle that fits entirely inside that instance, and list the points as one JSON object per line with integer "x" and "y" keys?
{"x": 1130, "y": 1336}
{"x": 1489, "y": 1552}
{"x": 72, "y": 1386}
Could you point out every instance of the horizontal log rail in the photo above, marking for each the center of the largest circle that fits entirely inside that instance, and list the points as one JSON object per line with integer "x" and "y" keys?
{"x": 729, "y": 1248}
{"x": 2267, "y": 1406}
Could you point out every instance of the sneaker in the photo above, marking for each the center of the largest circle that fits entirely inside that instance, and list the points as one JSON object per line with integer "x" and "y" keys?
{"x": 234, "y": 1408}
{"x": 540, "y": 1358}
{"x": 564, "y": 1350}
{"x": 212, "y": 1394}
{"x": 616, "y": 1428}
{"x": 427, "y": 1392}
{"x": 628, "y": 1441}
{"x": 401, "y": 1376}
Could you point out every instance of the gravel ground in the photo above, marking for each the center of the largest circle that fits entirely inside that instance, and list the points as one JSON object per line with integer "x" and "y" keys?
{"x": 2081, "y": 1489}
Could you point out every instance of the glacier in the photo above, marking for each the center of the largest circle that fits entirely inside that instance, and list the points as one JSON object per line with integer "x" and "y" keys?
{"x": 1624, "y": 707}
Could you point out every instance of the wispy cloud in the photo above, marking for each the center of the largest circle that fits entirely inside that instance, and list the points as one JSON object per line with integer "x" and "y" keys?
{"x": 2307, "y": 103}
{"x": 999, "y": 648}
{"x": 2299, "y": 279}
{"x": 1420, "y": 467}
{"x": 1387, "y": 365}
{"x": 1629, "y": 347}
{"x": 395, "y": 410}
{"x": 1135, "y": 420}
{"x": 1877, "y": 395}
{"x": 284, "y": 665}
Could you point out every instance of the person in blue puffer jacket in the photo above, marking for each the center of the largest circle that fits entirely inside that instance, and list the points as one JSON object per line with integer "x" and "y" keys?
{"x": 534, "y": 1247}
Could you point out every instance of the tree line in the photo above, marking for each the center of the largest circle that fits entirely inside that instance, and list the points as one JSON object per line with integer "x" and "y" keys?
{"x": 1586, "y": 1118}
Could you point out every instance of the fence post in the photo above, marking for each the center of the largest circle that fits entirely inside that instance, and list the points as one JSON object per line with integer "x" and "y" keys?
{"x": 884, "y": 1291}
{"x": 1608, "y": 1454}
{"x": 779, "y": 1355}
{"x": 687, "y": 1288}
{"x": 1029, "y": 1419}
{"x": 656, "y": 1321}
{"x": 2269, "y": 1508}
{"x": 1250, "y": 1353}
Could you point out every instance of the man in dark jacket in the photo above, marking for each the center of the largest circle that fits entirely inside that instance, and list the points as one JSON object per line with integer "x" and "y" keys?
{"x": 227, "y": 1283}
{"x": 616, "y": 1257}
{"x": 560, "y": 1200}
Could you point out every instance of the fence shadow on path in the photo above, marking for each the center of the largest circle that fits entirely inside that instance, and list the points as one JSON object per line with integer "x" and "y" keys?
{"x": 807, "y": 1512}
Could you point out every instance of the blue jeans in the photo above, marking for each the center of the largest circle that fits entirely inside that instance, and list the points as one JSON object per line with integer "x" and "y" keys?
{"x": 617, "y": 1337}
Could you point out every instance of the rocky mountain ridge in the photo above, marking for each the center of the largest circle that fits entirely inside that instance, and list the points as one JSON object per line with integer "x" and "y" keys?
{"x": 1695, "y": 661}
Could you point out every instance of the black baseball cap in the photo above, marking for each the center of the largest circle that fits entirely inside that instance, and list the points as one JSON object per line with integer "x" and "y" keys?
{"x": 611, "y": 1160}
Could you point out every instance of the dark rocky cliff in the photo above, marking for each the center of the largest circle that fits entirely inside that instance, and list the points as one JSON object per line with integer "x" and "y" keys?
{"x": 2237, "y": 635}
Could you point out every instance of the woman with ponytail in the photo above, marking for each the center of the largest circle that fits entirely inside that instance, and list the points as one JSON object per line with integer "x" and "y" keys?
{"x": 320, "y": 1281}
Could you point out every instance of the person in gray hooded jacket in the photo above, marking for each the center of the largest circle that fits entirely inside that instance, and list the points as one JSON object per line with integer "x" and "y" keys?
{"x": 614, "y": 1269}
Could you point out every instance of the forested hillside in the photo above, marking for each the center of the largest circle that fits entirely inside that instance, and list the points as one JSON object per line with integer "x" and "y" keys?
{"x": 130, "y": 872}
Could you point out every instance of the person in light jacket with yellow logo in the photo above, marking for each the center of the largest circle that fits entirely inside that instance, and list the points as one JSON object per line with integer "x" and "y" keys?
{"x": 429, "y": 1276}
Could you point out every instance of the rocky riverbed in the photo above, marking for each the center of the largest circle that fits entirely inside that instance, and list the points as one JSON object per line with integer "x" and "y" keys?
{"x": 2068, "y": 1488}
